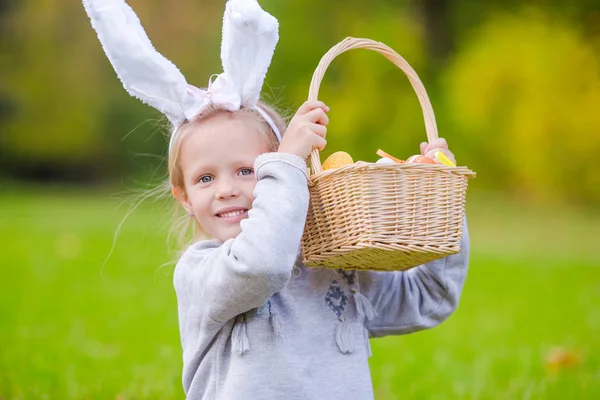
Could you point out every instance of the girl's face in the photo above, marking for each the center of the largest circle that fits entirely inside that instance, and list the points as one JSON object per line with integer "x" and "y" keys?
{"x": 217, "y": 163}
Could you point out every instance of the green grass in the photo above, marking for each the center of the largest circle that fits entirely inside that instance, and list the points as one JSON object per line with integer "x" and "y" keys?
{"x": 72, "y": 327}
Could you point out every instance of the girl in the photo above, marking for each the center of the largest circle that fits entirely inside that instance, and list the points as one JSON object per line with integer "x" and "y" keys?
{"x": 255, "y": 323}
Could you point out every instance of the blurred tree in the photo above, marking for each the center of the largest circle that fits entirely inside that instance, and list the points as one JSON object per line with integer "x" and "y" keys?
{"x": 523, "y": 93}
{"x": 6, "y": 8}
{"x": 372, "y": 103}
{"x": 51, "y": 125}
{"x": 487, "y": 66}
{"x": 446, "y": 21}
{"x": 69, "y": 116}
{"x": 439, "y": 32}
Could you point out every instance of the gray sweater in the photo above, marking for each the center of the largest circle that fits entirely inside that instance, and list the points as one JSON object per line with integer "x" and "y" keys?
{"x": 257, "y": 324}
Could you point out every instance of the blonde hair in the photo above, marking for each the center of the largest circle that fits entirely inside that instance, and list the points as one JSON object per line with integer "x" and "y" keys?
{"x": 183, "y": 223}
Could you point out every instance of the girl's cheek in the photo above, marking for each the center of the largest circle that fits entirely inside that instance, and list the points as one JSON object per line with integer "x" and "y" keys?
{"x": 251, "y": 185}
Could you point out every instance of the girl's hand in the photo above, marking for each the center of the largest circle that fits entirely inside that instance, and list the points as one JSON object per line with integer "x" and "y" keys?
{"x": 440, "y": 144}
{"x": 306, "y": 130}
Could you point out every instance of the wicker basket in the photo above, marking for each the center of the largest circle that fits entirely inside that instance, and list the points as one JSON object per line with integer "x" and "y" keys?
{"x": 383, "y": 216}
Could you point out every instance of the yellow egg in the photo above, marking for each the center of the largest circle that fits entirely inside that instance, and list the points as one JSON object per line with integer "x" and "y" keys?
{"x": 337, "y": 160}
{"x": 444, "y": 159}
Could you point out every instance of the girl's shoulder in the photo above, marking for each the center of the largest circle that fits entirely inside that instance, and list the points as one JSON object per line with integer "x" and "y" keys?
{"x": 202, "y": 248}
{"x": 193, "y": 255}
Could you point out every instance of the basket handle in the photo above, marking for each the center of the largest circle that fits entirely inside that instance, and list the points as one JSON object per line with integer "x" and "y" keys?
{"x": 351, "y": 43}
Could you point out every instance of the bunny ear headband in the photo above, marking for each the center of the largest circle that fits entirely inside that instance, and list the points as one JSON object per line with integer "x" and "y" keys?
{"x": 249, "y": 39}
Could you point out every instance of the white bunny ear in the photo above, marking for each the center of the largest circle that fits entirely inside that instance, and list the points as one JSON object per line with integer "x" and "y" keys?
{"x": 144, "y": 72}
{"x": 249, "y": 39}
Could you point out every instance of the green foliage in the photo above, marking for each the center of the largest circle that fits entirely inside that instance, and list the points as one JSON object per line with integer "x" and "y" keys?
{"x": 516, "y": 96}
{"x": 523, "y": 94}
{"x": 372, "y": 103}
{"x": 52, "y": 90}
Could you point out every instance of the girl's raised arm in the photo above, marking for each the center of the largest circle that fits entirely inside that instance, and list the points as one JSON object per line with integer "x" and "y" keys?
{"x": 222, "y": 281}
{"x": 417, "y": 299}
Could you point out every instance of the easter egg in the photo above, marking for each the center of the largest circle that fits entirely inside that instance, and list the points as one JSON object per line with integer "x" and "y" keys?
{"x": 441, "y": 157}
{"x": 383, "y": 154}
{"x": 337, "y": 160}
{"x": 385, "y": 160}
{"x": 418, "y": 159}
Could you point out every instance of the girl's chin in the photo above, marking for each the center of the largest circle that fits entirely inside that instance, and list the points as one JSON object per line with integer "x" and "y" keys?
{"x": 228, "y": 233}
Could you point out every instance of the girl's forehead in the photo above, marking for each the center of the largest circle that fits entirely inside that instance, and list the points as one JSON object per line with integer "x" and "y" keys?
{"x": 223, "y": 129}
{"x": 234, "y": 136}
{"x": 229, "y": 141}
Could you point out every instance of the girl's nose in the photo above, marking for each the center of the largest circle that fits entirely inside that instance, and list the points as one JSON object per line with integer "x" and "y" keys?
{"x": 227, "y": 189}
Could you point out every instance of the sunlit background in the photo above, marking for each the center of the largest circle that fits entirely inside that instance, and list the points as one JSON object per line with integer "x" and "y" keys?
{"x": 87, "y": 314}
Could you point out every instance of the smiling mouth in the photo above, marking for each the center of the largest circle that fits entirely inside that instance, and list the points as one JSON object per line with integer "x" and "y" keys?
{"x": 231, "y": 214}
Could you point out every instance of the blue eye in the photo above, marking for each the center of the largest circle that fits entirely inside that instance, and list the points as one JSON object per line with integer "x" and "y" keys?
{"x": 205, "y": 179}
{"x": 246, "y": 171}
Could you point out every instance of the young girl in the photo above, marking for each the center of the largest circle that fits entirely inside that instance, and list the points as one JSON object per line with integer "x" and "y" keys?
{"x": 255, "y": 323}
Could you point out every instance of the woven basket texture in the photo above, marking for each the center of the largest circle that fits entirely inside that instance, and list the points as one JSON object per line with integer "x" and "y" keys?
{"x": 371, "y": 216}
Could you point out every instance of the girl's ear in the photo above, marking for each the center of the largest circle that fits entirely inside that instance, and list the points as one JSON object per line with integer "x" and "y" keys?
{"x": 182, "y": 197}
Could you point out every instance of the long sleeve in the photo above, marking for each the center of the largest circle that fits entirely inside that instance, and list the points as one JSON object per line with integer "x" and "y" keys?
{"x": 221, "y": 281}
{"x": 417, "y": 299}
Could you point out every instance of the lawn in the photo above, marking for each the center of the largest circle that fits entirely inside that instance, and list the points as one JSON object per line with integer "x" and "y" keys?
{"x": 73, "y": 326}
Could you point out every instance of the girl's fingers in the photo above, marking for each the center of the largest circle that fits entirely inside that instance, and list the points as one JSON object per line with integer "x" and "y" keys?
{"x": 319, "y": 129}
{"x": 439, "y": 143}
{"x": 317, "y": 116}
{"x": 319, "y": 143}
{"x": 308, "y": 106}
{"x": 448, "y": 153}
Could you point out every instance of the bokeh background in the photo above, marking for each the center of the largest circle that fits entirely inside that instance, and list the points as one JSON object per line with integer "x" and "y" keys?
{"x": 87, "y": 309}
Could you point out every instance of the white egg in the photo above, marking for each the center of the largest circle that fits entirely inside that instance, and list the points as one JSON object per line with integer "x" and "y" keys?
{"x": 385, "y": 160}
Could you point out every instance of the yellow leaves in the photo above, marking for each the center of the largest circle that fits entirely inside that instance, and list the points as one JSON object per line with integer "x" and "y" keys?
{"x": 528, "y": 85}
{"x": 560, "y": 358}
